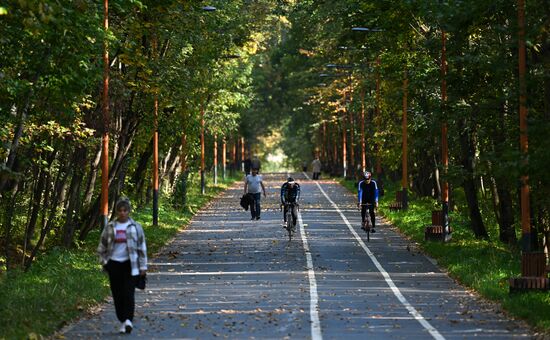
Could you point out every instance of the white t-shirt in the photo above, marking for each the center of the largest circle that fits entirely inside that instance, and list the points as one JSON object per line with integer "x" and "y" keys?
{"x": 254, "y": 186}
{"x": 120, "y": 248}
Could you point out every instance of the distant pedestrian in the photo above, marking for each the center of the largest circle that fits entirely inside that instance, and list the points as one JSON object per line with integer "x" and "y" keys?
{"x": 304, "y": 166}
{"x": 247, "y": 166}
{"x": 123, "y": 253}
{"x": 316, "y": 168}
{"x": 253, "y": 185}
{"x": 255, "y": 163}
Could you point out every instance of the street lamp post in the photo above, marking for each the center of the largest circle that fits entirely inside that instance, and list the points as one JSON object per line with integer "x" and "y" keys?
{"x": 444, "y": 144}
{"x": 155, "y": 150}
{"x": 351, "y": 125}
{"x": 378, "y": 162}
{"x": 344, "y": 139}
{"x": 224, "y": 158}
{"x": 104, "y": 208}
{"x": 525, "y": 203}
{"x": 242, "y": 154}
{"x": 215, "y": 159}
{"x": 533, "y": 264}
{"x": 234, "y": 157}
{"x": 203, "y": 182}
{"x": 363, "y": 143}
{"x": 404, "y": 180}
{"x": 156, "y": 163}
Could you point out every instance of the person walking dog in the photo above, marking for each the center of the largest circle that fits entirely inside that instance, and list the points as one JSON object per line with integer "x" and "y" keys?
{"x": 123, "y": 253}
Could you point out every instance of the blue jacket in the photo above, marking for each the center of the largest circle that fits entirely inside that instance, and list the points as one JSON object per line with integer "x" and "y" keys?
{"x": 368, "y": 192}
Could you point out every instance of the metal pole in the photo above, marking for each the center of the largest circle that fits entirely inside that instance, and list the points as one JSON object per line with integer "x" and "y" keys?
{"x": 444, "y": 144}
{"x": 324, "y": 153}
{"x": 216, "y": 159}
{"x": 234, "y": 158}
{"x": 242, "y": 154}
{"x": 104, "y": 208}
{"x": 378, "y": 162}
{"x": 224, "y": 157}
{"x": 363, "y": 143}
{"x": 404, "y": 182}
{"x": 525, "y": 204}
{"x": 203, "y": 182}
{"x": 155, "y": 153}
{"x": 156, "y": 165}
{"x": 352, "y": 131}
{"x": 344, "y": 141}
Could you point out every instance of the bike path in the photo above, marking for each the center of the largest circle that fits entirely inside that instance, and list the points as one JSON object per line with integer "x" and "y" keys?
{"x": 356, "y": 300}
{"x": 228, "y": 277}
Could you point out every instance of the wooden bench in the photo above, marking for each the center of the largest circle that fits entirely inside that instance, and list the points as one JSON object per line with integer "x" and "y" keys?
{"x": 398, "y": 203}
{"x": 534, "y": 264}
{"x": 436, "y": 231}
{"x": 534, "y": 273}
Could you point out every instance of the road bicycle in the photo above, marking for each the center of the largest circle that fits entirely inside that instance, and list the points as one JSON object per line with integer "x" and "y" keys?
{"x": 290, "y": 221}
{"x": 366, "y": 225}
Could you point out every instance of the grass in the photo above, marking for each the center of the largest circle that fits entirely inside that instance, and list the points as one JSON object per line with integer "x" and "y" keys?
{"x": 483, "y": 265}
{"x": 63, "y": 283}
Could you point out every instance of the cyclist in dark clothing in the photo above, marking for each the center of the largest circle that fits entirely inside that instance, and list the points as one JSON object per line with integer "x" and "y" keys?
{"x": 368, "y": 198}
{"x": 290, "y": 193}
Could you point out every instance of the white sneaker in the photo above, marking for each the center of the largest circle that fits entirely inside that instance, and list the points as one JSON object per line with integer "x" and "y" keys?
{"x": 122, "y": 328}
{"x": 128, "y": 326}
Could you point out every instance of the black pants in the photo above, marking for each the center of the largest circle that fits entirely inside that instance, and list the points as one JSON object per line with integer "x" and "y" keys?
{"x": 371, "y": 213}
{"x": 316, "y": 175}
{"x": 255, "y": 205}
{"x": 123, "y": 287}
{"x": 294, "y": 213}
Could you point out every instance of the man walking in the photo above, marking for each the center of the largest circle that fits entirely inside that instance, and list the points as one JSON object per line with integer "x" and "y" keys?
{"x": 254, "y": 186}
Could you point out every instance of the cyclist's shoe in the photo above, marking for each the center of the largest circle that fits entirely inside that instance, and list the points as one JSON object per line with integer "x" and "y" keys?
{"x": 372, "y": 230}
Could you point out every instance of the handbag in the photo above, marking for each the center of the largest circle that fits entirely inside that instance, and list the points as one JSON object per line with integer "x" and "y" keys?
{"x": 141, "y": 281}
{"x": 245, "y": 201}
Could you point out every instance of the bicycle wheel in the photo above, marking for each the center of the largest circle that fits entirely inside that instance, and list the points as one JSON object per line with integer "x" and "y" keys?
{"x": 289, "y": 223}
{"x": 367, "y": 228}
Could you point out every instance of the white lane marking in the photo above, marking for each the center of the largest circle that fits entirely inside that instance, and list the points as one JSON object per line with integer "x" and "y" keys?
{"x": 433, "y": 332}
{"x": 314, "y": 298}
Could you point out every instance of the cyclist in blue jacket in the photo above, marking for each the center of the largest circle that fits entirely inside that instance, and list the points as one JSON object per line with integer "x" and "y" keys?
{"x": 368, "y": 198}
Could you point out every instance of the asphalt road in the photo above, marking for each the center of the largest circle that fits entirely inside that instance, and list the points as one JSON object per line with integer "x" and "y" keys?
{"x": 226, "y": 276}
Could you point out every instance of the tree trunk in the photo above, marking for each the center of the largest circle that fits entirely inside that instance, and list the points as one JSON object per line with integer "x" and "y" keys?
{"x": 8, "y": 223}
{"x": 50, "y": 221}
{"x": 507, "y": 232}
{"x": 138, "y": 177}
{"x": 467, "y": 146}
{"x": 436, "y": 180}
{"x": 94, "y": 169}
{"x": 72, "y": 208}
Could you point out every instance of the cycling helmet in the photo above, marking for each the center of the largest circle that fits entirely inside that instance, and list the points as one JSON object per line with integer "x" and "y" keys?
{"x": 367, "y": 174}
{"x": 290, "y": 180}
